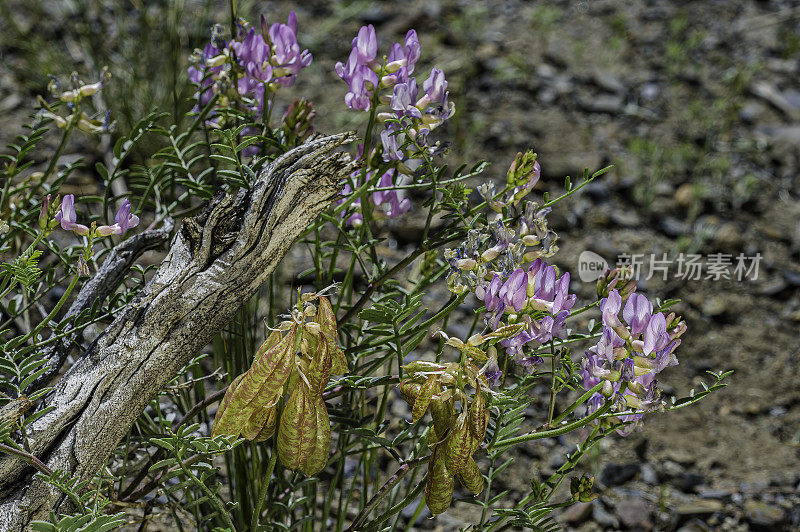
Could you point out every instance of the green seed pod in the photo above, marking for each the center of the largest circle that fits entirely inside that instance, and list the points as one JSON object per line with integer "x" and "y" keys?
{"x": 258, "y": 389}
{"x": 478, "y": 417}
{"x": 268, "y": 427}
{"x": 471, "y": 477}
{"x": 458, "y": 445}
{"x": 327, "y": 322}
{"x": 409, "y": 390}
{"x": 443, "y": 414}
{"x": 439, "y": 484}
{"x": 221, "y": 422}
{"x": 298, "y": 428}
{"x": 319, "y": 370}
{"x": 427, "y": 390}
{"x": 318, "y": 457}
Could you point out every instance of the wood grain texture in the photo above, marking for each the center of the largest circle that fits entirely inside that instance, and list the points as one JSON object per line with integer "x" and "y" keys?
{"x": 217, "y": 261}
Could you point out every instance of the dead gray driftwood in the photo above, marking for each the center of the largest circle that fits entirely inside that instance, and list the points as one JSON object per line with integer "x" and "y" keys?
{"x": 217, "y": 261}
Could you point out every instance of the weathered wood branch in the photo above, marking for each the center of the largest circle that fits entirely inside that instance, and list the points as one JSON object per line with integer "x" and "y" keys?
{"x": 97, "y": 289}
{"x": 217, "y": 261}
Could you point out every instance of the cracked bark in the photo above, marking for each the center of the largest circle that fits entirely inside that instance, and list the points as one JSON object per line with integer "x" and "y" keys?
{"x": 217, "y": 261}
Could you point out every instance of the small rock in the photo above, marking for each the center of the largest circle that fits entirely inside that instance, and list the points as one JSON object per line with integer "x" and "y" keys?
{"x": 789, "y": 134}
{"x": 776, "y": 288}
{"x": 701, "y": 507}
{"x": 672, "y": 227}
{"x": 751, "y": 111}
{"x": 649, "y": 91}
{"x": 764, "y": 515}
{"x": 605, "y": 103}
{"x": 608, "y": 82}
{"x": 634, "y": 514}
{"x": 615, "y": 474}
{"x": 577, "y": 513}
{"x": 649, "y": 475}
{"x": 729, "y": 236}
{"x": 671, "y": 469}
{"x": 793, "y": 97}
{"x": 604, "y": 518}
{"x": 684, "y": 196}
{"x": 695, "y": 525}
{"x": 791, "y": 277}
{"x": 713, "y": 493}
{"x": 714, "y": 306}
{"x": 626, "y": 218}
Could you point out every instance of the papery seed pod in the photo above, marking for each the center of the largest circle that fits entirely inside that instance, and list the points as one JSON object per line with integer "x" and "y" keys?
{"x": 271, "y": 341}
{"x": 223, "y": 424}
{"x": 318, "y": 457}
{"x": 471, "y": 477}
{"x": 475, "y": 354}
{"x": 433, "y": 438}
{"x": 319, "y": 369}
{"x": 326, "y": 319}
{"x": 298, "y": 428}
{"x": 439, "y": 483}
{"x": 458, "y": 445}
{"x": 427, "y": 390}
{"x": 258, "y": 389}
{"x": 443, "y": 414}
{"x": 267, "y": 427}
{"x": 478, "y": 417}
{"x": 409, "y": 390}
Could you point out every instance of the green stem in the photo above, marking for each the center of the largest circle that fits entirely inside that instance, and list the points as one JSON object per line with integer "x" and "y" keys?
{"x": 552, "y": 433}
{"x": 212, "y": 497}
{"x": 582, "y": 399}
{"x": 50, "y": 316}
{"x": 552, "y": 385}
{"x": 263, "y": 491}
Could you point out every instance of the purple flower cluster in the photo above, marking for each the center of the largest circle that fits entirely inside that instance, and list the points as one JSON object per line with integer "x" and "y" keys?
{"x": 389, "y": 203}
{"x": 263, "y": 62}
{"x": 629, "y": 354}
{"x": 123, "y": 220}
{"x": 411, "y": 116}
{"x": 537, "y": 297}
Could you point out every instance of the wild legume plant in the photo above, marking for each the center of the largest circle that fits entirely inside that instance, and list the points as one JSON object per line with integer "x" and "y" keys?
{"x": 289, "y": 419}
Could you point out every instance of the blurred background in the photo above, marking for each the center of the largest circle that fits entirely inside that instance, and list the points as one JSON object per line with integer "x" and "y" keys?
{"x": 697, "y": 106}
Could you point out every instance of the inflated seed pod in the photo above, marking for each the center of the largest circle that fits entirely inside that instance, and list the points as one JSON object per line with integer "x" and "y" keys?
{"x": 327, "y": 322}
{"x": 219, "y": 424}
{"x": 443, "y": 414}
{"x": 297, "y": 432}
{"x": 268, "y": 428}
{"x": 321, "y": 445}
{"x": 427, "y": 390}
{"x": 439, "y": 484}
{"x": 471, "y": 477}
{"x": 409, "y": 390}
{"x": 258, "y": 388}
{"x": 319, "y": 369}
{"x": 458, "y": 446}
{"x": 478, "y": 416}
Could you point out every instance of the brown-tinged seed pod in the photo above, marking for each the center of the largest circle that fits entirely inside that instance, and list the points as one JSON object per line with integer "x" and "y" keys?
{"x": 478, "y": 418}
{"x": 268, "y": 427}
{"x": 297, "y": 431}
{"x": 458, "y": 445}
{"x": 443, "y": 414}
{"x": 471, "y": 477}
{"x": 424, "y": 398}
{"x": 409, "y": 390}
{"x": 439, "y": 484}
{"x": 321, "y": 450}
{"x": 225, "y": 424}
{"x": 327, "y": 323}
